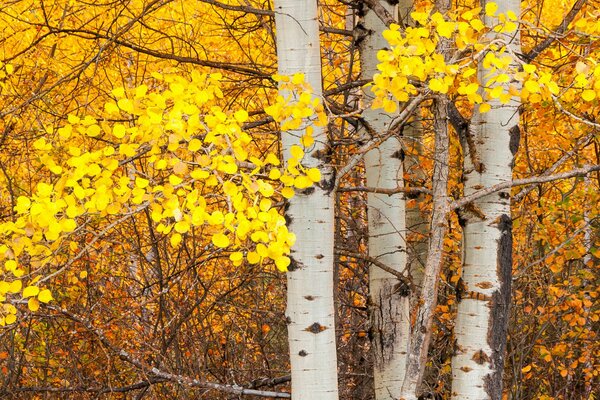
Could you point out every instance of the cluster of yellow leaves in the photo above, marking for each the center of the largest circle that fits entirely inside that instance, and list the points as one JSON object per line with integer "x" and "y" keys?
{"x": 414, "y": 64}
{"x": 166, "y": 148}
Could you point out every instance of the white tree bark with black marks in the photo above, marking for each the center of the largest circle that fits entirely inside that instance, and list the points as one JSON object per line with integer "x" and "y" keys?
{"x": 480, "y": 329}
{"x": 310, "y": 306}
{"x": 388, "y": 297}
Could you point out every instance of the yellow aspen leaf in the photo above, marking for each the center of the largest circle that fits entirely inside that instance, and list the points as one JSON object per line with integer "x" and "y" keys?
{"x": 471, "y": 88}
{"x": 236, "y": 256}
{"x": 118, "y": 92}
{"x": 302, "y": 182}
{"x": 477, "y": 24}
{"x": 389, "y": 106}
{"x": 314, "y": 174}
{"x": 253, "y": 257}
{"x": 175, "y": 180}
{"x": 297, "y": 152}
{"x": 445, "y": 29}
{"x": 220, "y": 240}
{"x": 118, "y": 131}
{"x": 182, "y": 226}
{"x": 490, "y": 9}
{"x": 30, "y": 291}
{"x": 93, "y": 130}
{"x": 125, "y": 105}
{"x": 588, "y": 95}
{"x": 83, "y": 274}
{"x": 485, "y": 107}
{"x": 265, "y": 204}
{"x": 33, "y": 304}
{"x": 241, "y": 116}
{"x": 298, "y": 78}
{"x": 496, "y": 92}
{"x": 194, "y": 145}
{"x": 282, "y": 263}
{"x": 10, "y": 318}
{"x": 532, "y": 86}
{"x": 45, "y": 296}
{"x": 141, "y": 182}
{"x": 175, "y": 239}
{"x": 287, "y": 192}
{"x": 15, "y": 286}
{"x": 526, "y": 368}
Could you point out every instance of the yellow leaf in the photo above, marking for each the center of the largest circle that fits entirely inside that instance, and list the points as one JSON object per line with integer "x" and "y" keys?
{"x": 33, "y": 304}
{"x": 525, "y": 369}
{"x": 236, "y": 256}
{"x": 175, "y": 239}
{"x": 485, "y": 107}
{"x": 302, "y": 182}
{"x": 10, "y": 318}
{"x": 445, "y": 29}
{"x": 182, "y": 226}
{"x": 45, "y": 296}
{"x": 490, "y": 9}
{"x": 241, "y": 116}
{"x": 298, "y": 78}
{"x": 314, "y": 174}
{"x": 194, "y": 145}
{"x": 389, "y": 106}
{"x": 253, "y": 257}
{"x": 220, "y": 240}
{"x": 297, "y": 152}
{"x": 15, "y": 286}
{"x": 287, "y": 192}
{"x": 125, "y": 105}
{"x": 30, "y": 291}
{"x": 588, "y": 95}
{"x": 118, "y": 131}
{"x": 282, "y": 263}
{"x": 141, "y": 182}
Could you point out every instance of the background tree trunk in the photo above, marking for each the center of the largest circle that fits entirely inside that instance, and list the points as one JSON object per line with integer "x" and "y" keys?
{"x": 310, "y": 306}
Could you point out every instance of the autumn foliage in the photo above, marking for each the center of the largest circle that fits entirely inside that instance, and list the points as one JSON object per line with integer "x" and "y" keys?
{"x": 143, "y": 238}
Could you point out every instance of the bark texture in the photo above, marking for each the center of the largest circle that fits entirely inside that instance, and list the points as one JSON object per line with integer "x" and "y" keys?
{"x": 481, "y": 323}
{"x": 389, "y": 297}
{"x": 310, "y": 305}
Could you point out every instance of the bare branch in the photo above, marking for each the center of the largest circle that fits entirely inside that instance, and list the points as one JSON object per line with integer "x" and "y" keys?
{"x": 156, "y": 373}
{"x": 557, "y": 33}
{"x": 520, "y": 182}
{"x": 581, "y": 142}
{"x": 388, "y": 191}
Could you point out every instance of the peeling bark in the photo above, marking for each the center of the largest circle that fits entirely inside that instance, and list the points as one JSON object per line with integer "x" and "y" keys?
{"x": 482, "y": 315}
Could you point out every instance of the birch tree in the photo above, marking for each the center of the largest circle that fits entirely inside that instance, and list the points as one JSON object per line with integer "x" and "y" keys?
{"x": 481, "y": 323}
{"x": 389, "y": 298}
{"x": 310, "y": 305}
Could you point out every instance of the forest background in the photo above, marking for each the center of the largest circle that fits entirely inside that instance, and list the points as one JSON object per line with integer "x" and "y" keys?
{"x": 149, "y": 151}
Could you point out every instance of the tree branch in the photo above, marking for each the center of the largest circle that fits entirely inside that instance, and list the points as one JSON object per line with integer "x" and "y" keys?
{"x": 520, "y": 182}
{"x": 558, "y": 32}
{"x": 155, "y": 373}
{"x": 388, "y": 191}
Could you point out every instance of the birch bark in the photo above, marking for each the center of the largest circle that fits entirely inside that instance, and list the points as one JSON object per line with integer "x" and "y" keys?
{"x": 481, "y": 323}
{"x": 310, "y": 304}
{"x": 389, "y": 299}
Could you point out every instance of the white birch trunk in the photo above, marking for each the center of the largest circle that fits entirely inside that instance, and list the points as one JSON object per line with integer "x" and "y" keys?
{"x": 389, "y": 300}
{"x": 310, "y": 306}
{"x": 482, "y": 318}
